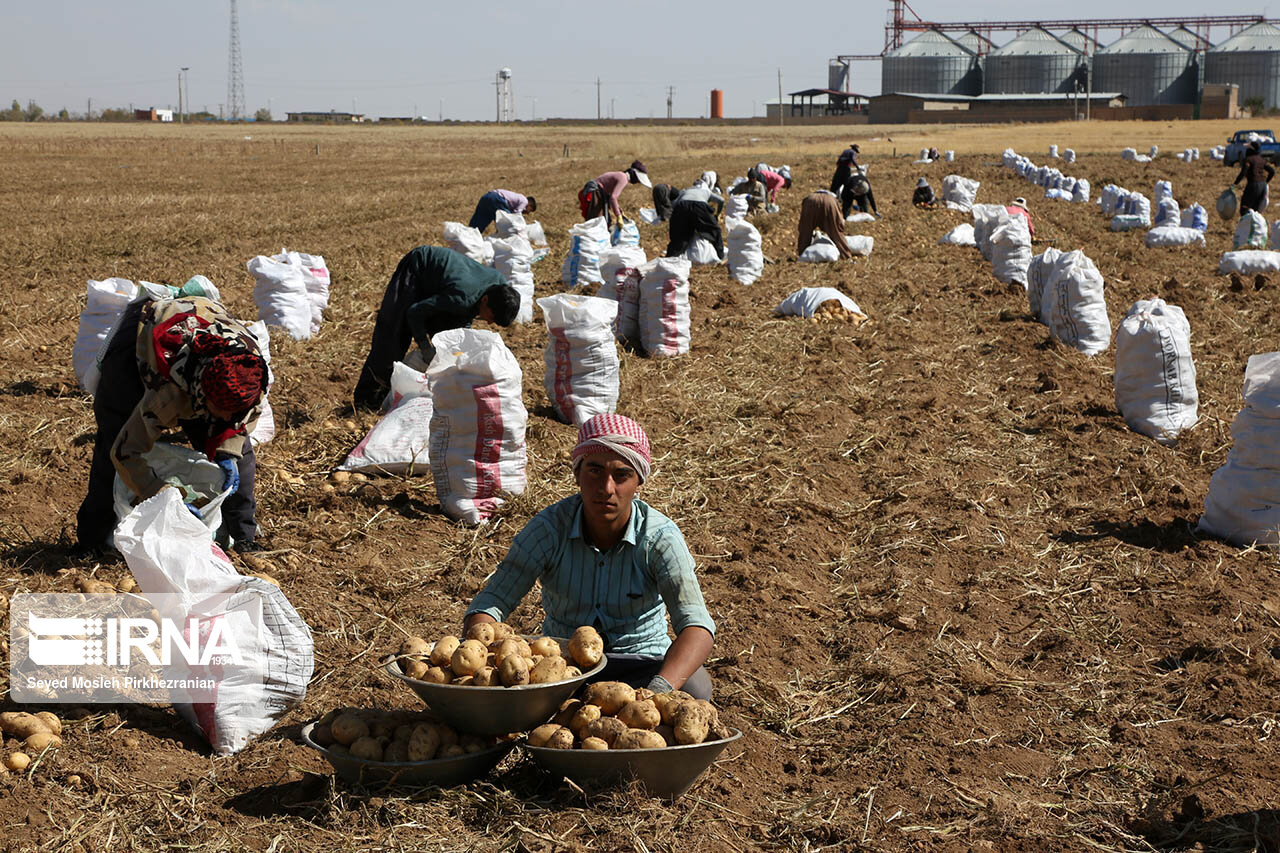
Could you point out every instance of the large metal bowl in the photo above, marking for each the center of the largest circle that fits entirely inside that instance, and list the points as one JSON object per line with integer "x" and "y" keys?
{"x": 441, "y": 772}
{"x": 496, "y": 710}
{"x": 667, "y": 772}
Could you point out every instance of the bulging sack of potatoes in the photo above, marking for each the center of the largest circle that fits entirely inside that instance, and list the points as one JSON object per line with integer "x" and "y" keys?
{"x": 620, "y": 268}
{"x": 513, "y": 257}
{"x": 744, "y": 250}
{"x": 1243, "y": 502}
{"x": 1073, "y": 304}
{"x": 400, "y": 442}
{"x": 808, "y": 301}
{"x": 664, "y": 307}
{"x": 586, "y": 241}
{"x": 468, "y": 241}
{"x": 581, "y": 355}
{"x": 1155, "y": 377}
{"x": 281, "y": 296}
{"x": 478, "y": 423}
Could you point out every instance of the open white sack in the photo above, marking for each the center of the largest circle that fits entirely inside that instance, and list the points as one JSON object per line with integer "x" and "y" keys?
{"x": 961, "y": 235}
{"x": 586, "y": 241}
{"x": 280, "y": 292}
{"x": 468, "y": 241}
{"x": 105, "y": 301}
{"x": 1039, "y": 271}
{"x": 959, "y": 193}
{"x": 399, "y": 443}
{"x": 806, "y": 301}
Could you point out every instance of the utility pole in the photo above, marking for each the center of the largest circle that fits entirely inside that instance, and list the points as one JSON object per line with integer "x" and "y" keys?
{"x": 671, "y": 94}
{"x": 179, "y": 95}
{"x": 186, "y": 87}
{"x": 88, "y": 110}
{"x": 611, "y": 102}
{"x": 597, "y": 99}
{"x": 779, "y": 97}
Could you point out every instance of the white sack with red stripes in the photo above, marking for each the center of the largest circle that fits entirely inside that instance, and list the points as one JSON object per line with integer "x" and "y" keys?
{"x": 664, "y": 307}
{"x": 581, "y": 356}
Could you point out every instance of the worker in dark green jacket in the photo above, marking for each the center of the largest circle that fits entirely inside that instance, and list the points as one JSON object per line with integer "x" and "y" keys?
{"x": 432, "y": 289}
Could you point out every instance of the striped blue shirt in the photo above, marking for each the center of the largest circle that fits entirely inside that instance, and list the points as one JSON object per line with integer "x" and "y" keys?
{"x": 625, "y": 592}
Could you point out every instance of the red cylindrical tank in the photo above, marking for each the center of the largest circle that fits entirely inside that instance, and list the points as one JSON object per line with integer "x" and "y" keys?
{"x": 717, "y": 103}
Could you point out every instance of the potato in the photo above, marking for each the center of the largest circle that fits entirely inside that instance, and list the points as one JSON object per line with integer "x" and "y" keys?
{"x": 448, "y": 737}
{"x": 562, "y": 739}
{"x": 51, "y": 721}
{"x": 502, "y": 648}
{"x": 469, "y": 656}
{"x": 525, "y": 651}
{"x": 424, "y": 742}
{"x": 667, "y": 703}
{"x": 544, "y": 646}
{"x": 482, "y": 632}
{"x": 464, "y": 680}
{"x": 594, "y": 743}
{"x": 643, "y": 693}
{"x": 348, "y": 728}
{"x": 513, "y": 671}
{"x": 567, "y": 709}
{"x": 21, "y": 724}
{"x": 691, "y": 723}
{"x": 472, "y": 743}
{"x": 540, "y": 735}
{"x": 403, "y": 732}
{"x": 668, "y": 734}
{"x": 438, "y": 675}
{"x": 41, "y": 741}
{"x": 17, "y": 761}
{"x": 548, "y": 671}
{"x": 366, "y": 748}
{"x": 609, "y": 695}
{"x": 502, "y": 631}
{"x": 572, "y": 672}
{"x": 640, "y": 714}
{"x": 451, "y": 751}
{"x": 585, "y": 715}
{"x": 382, "y": 726}
{"x": 442, "y": 651}
{"x": 321, "y": 734}
{"x": 606, "y": 729}
{"x": 414, "y": 668}
{"x": 397, "y": 750}
{"x": 639, "y": 739}
{"x": 487, "y": 676}
{"x": 415, "y": 646}
{"x": 586, "y": 647}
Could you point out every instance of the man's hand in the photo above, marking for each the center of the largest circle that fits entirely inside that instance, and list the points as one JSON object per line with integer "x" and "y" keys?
{"x": 230, "y": 473}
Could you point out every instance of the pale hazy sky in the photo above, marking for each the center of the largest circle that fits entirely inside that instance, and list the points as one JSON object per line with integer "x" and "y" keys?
{"x": 388, "y": 57}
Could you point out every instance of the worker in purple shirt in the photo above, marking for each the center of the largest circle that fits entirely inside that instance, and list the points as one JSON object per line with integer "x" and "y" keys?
{"x": 494, "y": 200}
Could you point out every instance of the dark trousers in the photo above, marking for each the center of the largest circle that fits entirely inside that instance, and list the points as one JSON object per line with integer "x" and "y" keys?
{"x": 690, "y": 219}
{"x": 1251, "y": 198}
{"x": 487, "y": 210}
{"x": 866, "y": 203}
{"x": 119, "y": 391}
{"x": 391, "y": 336}
{"x": 841, "y": 177}
{"x": 662, "y": 201}
{"x": 638, "y": 670}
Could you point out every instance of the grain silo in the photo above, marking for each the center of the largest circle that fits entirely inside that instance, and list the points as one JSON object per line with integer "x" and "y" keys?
{"x": 931, "y": 64}
{"x": 976, "y": 42}
{"x": 1036, "y": 62}
{"x": 1147, "y": 67}
{"x": 1188, "y": 39}
{"x": 1076, "y": 38}
{"x": 1250, "y": 59}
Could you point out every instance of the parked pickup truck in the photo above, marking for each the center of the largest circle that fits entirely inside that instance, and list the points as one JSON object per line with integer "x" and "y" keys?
{"x": 1237, "y": 145}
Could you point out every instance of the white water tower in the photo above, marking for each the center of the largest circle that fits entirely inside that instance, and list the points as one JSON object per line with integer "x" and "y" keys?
{"x": 503, "y": 87}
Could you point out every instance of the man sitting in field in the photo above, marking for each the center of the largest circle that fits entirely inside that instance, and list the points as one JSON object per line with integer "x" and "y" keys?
{"x": 607, "y": 559}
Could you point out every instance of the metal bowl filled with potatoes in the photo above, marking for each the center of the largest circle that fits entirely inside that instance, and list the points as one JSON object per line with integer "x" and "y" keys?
{"x": 497, "y": 681}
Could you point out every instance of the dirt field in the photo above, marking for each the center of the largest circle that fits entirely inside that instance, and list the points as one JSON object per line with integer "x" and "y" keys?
{"x": 960, "y": 605}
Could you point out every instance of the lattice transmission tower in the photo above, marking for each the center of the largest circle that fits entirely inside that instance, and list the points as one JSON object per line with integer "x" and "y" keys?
{"x": 235, "y": 74}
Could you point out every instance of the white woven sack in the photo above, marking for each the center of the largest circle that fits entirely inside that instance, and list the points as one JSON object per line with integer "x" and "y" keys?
{"x": 509, "y": 224}
{"x": 400, "y": 442}
{"x": 1109, "y": 199}
{"x": 860, "y": 244}
{"x": 1069, "y": 155}
{"x": 1167, "y": 213}
{"x": 1126, "y": 222}
{"x": 535, "y": 234}
{"x": 625, "y": 233}
{"x": 1243, "y": 501}
{"x": 961, "y": 235}
{"x": 806, "y": 301}
{"x": 1174, "y": 235}
{"x": 620, "y": 267}
{"x": 1053, "y": 152}
{"x": 315, "y": 273}
{"x": 105, "y": 302}
{"x": 582, "y": 264}
{"x": 1275, "y": 233}
{"x": 735, "y": 206}
{"x": 958, "y": 193}
{"x": 1162, "y": 189}
{"x": 1249, "y": 262}
{"x": 281, "y": 296}
{"x": 1155, "y": 377}
{"x": 1039, "y": 271}
{"x": 986, "y": 219}
{"x": 1011, "y": 251}
{"x": 513, "y": 258}
{"x": 1196, "y": 217}
{"x": 701, "y": 252}
{"x": 468, "y": 241}
{"x": 581, "y": 356}
{"x": 1073, "y": 304}
{"x": 859, "y": 216}
{"x": 191, "y": 471}
{"x": 477, "y": 429}
{"x": 1140, "y": 206}
{"x": 664, "y": 307}
{"x": 1129, "y": 153}
{"x": 1080, "y": 192}
{"x": 1251, "y": 231}
{"x": 820, "y": 251}
{"x": 744, "y": 250}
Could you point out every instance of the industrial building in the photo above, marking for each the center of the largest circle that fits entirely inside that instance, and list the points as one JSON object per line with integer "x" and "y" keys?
{"x": 1154, "y": 68}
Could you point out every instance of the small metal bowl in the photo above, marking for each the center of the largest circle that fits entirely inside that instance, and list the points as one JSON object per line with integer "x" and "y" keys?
{"x": 667, "y": 772}
{"x": 496, "y": 710}
{"x": 442, "y": 772}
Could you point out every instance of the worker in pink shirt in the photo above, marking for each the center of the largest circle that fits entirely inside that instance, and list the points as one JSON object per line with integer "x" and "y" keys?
{"x": 599, "y": 197}
{"x": 773, "y": 181}
{"x": 1019, "y": 208}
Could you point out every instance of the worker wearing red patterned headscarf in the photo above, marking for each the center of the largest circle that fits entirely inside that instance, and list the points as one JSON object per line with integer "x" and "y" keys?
{"x": 175, "y": 363}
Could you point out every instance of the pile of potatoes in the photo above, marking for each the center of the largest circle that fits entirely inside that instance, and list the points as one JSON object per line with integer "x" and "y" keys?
{"x": 493, "y": 655}
{"x": 832, "y": 311}
{"x": 398, "y": 736}
{"x": 37, "y": 732}
{"x": 614, "y": 715}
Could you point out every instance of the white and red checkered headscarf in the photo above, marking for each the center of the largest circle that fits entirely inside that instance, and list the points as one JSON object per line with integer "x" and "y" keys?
{"x": 610, "y": 433}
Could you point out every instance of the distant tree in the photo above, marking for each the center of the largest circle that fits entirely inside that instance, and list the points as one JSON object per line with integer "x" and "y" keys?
{"x": 14, "y": 113}
{"x": 33, "y": 112}
{"x": 203, "y": 115}
{"x": 1255, "y": 105}
{"x": 263, "y": 114}
{"x": 115, "y": 114}
{"x": 63, "y": 115}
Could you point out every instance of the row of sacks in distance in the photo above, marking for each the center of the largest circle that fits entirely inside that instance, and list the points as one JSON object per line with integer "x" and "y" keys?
{"x": 1186, "y": 155}
{"x": 1055, "y": 184}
